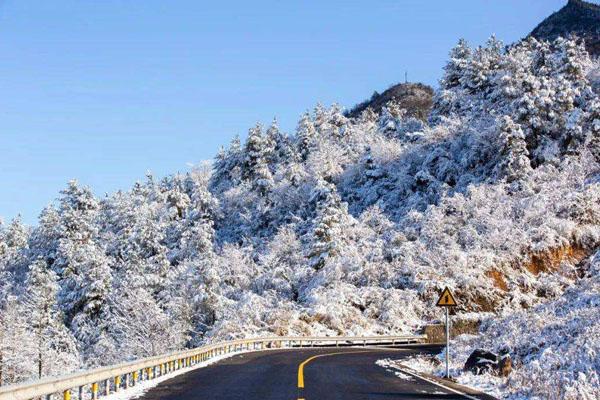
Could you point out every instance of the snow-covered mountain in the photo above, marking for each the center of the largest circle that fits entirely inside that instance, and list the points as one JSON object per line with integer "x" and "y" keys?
{"x": 578, "y": 17}
{"x": 346, "y": 226}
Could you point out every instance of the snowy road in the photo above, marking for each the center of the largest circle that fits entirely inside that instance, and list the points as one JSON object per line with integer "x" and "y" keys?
{"x": 326, "y": 374}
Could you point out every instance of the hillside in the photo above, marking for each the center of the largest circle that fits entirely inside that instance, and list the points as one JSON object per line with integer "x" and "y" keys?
{"x": 578, "y": 18}
{"x": 415, "y": 98}
{"x": 347, "y": 226}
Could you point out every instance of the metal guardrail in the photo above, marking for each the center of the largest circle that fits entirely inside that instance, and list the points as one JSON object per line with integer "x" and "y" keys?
{"x": 122, "y": 376}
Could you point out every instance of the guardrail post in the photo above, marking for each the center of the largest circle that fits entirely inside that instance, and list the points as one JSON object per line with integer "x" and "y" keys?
{"x": 94, "y": 390}
{"x": 134, "y": 378}
{"x": 107, "y": 387}
{"x": 117, "y": 382}
{"x": 80, "y": 394}
{"x": 48, "y": 397}
{"x": 67, "y": 395}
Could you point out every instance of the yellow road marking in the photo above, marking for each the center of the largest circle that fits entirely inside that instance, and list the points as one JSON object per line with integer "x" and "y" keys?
{"x": 303, "y": 364}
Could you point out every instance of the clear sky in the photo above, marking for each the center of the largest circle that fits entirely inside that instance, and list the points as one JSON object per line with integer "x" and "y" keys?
{"x": 104, "y": 90}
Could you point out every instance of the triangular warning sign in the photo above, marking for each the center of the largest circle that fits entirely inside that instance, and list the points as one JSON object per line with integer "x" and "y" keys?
{"x": 446, "y": 299}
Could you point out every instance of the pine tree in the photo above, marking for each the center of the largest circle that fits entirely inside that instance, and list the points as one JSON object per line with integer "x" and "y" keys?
{"x": 326, "y": 237}
{"x": 571, "y": 60}
{"x": 482, "y": 66}
{"x": 14, "y": 241}
{"x": 256, "y": 169}
{"x": 456, "y": 66}
{"x": 227, "y": 169}
{"x": 279, "y": 147}
{"x": 81, "y": 264}
{"x": 306, "y": 136}
{"x": 594, "y": 128}
{"x": 17, "y": 234}
{"x": 514, "y": 162}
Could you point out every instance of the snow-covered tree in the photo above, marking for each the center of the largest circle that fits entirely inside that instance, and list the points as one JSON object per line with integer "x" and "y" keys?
{"x": 81, "y": 264}
{"x": 17, "y": 343}
{"x": 306, "y": 135}
{"x": 55, "y": 347}
{"x": 456, "y": 65}
{"x": 327, "y": 236}
{"x": 348, "y": 226}
{"x": 514, "y": 161}
{"x": 256, "y": 168}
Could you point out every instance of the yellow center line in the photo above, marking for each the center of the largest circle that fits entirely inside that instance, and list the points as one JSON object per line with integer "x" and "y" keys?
{"x": 303, "y": 364}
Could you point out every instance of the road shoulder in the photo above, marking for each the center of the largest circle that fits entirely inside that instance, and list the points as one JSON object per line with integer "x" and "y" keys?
{"x": 448, "y": 384}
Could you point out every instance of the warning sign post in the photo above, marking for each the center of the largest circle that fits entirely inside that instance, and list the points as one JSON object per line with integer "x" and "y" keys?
{"x": 447, "y": 300}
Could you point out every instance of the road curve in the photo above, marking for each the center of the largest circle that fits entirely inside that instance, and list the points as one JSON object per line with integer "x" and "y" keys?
{"x": 328, "y": 374}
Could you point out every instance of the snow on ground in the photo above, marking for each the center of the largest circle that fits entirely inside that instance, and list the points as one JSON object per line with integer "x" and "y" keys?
{"x": 349, "y": 226}
{"x": 392, "y": 367}
{"x": 555, "y": 348}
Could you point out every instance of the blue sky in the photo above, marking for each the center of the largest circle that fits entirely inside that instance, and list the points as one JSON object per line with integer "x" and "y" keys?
{"x": 103, "y": 91}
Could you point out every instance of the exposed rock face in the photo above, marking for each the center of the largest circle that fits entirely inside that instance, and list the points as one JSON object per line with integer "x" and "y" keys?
{"x": 576, "y": 18}
{"x": 482, "y": 361}
{"x": 415, "y": 98}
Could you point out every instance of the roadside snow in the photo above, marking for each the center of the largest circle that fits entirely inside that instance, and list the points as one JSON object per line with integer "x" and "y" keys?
{"x": 390, "y": 366}
{"x": 425, "y": 364}
{"x": 555, "y": 348}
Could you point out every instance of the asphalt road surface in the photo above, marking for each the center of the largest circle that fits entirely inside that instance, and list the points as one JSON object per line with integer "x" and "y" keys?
{"x": 326, "y": 374}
